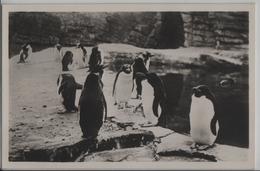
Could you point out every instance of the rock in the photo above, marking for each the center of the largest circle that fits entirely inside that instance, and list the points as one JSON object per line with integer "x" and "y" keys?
{"x": 149, "y": 29}
{"x": 159, "y": 131}
{"x": 70, "y": 149}
{"x": 179, "y": 145}
{"x": 138, "y": 154}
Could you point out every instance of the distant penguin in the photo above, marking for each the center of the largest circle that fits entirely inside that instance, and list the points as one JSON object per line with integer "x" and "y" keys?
{"x": 203, "y": 117}
{"x": 95, "y": 58}
{"x": 147, "y": 59}
{"x": 154, "y": 100}
{"x": 83, "y": 53}
{"x": 92, "y": 106}
{"x": 138, "y": 67}
{"x": 25, "y": 53}
{"x": 67, "y": 60}
{"x": 122, "y": 88}
{"x": 67, "y": 87}
{"x": 58, "y": 52}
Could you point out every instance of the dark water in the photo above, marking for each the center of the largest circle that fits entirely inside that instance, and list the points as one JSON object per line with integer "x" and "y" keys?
{"x": 232, "y": 102}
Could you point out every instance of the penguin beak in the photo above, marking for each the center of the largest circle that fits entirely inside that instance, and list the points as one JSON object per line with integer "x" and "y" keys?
{"x": 196, "y": 91}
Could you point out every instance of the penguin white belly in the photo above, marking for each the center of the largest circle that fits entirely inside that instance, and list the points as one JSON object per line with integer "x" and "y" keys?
{"x": 147, "y": 102}
{"x": 57, "y": 55}
{"x": 123, "y": 88}
{"x": 77, "y": 59}
{"x": 61, "y": 99}
{"x": 201, "y": 114}
{"x": 147, "y": 65}
{"x": 30, "y": 53}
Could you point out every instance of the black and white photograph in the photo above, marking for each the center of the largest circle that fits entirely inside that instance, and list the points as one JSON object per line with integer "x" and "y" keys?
{"x": 146, "y": 86}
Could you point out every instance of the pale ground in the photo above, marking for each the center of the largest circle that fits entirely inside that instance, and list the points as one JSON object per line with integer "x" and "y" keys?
{"x": 34, "y": 102}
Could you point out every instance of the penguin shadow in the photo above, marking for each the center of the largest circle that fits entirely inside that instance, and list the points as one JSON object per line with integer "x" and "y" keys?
{"x": 60, "y": 111}
{"x": 201, "y": 147}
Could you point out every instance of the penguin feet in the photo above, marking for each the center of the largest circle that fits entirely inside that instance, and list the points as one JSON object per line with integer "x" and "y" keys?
{"x": 120, "y": 106}
{"x": 138, "y": 107}
{"x": 139, "y": 97}
{"x": 128, "y": 106}
{"x": 201, "y": 147}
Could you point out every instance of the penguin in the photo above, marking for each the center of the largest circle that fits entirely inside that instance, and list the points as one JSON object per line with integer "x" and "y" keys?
{"x": 204, "y": 124}
{"x": 122, "y": 87}
{"x": 93, "y": 107}
{"x": 95, "y": 58}
{"x": 138, "y": 67}
{"x": 147, "y": 59}
{"x": 25, "y": 53}
{"x": 154, "y": 100}
{"x": 67, "y": 60}
{"x": 67, "y": 87}
{"x": 58, "y": 52}
{"x": 83, "y": 53}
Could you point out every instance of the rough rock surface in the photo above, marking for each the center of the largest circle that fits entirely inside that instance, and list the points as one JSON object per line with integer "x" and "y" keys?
{"x": 221, "y": 30}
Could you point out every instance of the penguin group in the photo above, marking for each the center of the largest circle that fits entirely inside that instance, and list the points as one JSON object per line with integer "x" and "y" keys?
{"x": 92, "y": 103}
{"x": 149, "y": 89}
{"x": 133, "y": 79}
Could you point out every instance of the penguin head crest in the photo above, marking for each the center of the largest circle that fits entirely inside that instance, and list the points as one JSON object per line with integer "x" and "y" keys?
{"x": 202, "y": 90}
{"x": 127, "y": 68}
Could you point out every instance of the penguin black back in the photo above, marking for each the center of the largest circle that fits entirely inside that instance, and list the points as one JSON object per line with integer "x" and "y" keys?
{"x": 95, "y": 58}
{"x": 92, "y": 106}
{"x": 66, "y": 60}
{"x": 67, "y": 87}
{"x": 139, "y": 66}
{"x": 160, "y": 97}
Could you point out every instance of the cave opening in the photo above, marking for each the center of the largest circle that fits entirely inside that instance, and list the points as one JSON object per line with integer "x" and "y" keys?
{"x": 172, "y": 30}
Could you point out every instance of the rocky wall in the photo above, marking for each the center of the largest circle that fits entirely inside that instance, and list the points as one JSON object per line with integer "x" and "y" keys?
{"x": 222, "y": 30}
{"x": 161, "y": 30}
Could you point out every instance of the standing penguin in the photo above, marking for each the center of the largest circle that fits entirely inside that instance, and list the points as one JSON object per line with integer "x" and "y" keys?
{"x": 203, "y": 118}
{"x": 67, "y": 87}
{"x": 95, "y": 58}
{"x": 83, "y": 54}
{"x": 154, "y": 100}
{"x": 122, "y": 87}
{"x": 147, "y": 59}
{"x": 67, "y": 60}
{"x": 139, "y": 67}
{"x": 25, "y": 53}
{"x": 58, "y": 52}
{"x": 92, "y": 107}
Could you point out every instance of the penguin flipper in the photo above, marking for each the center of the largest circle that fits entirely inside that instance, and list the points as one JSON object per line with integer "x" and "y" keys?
{"x": 133, "y": 85}
{"x": 155, "y": 106}
{"x": 213, "y": 126}
{"x": 61, "y": 88}
{"x": 105, "y": 105}
{"x": 114, "y": 85}
{"x": 79, "y": 86}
